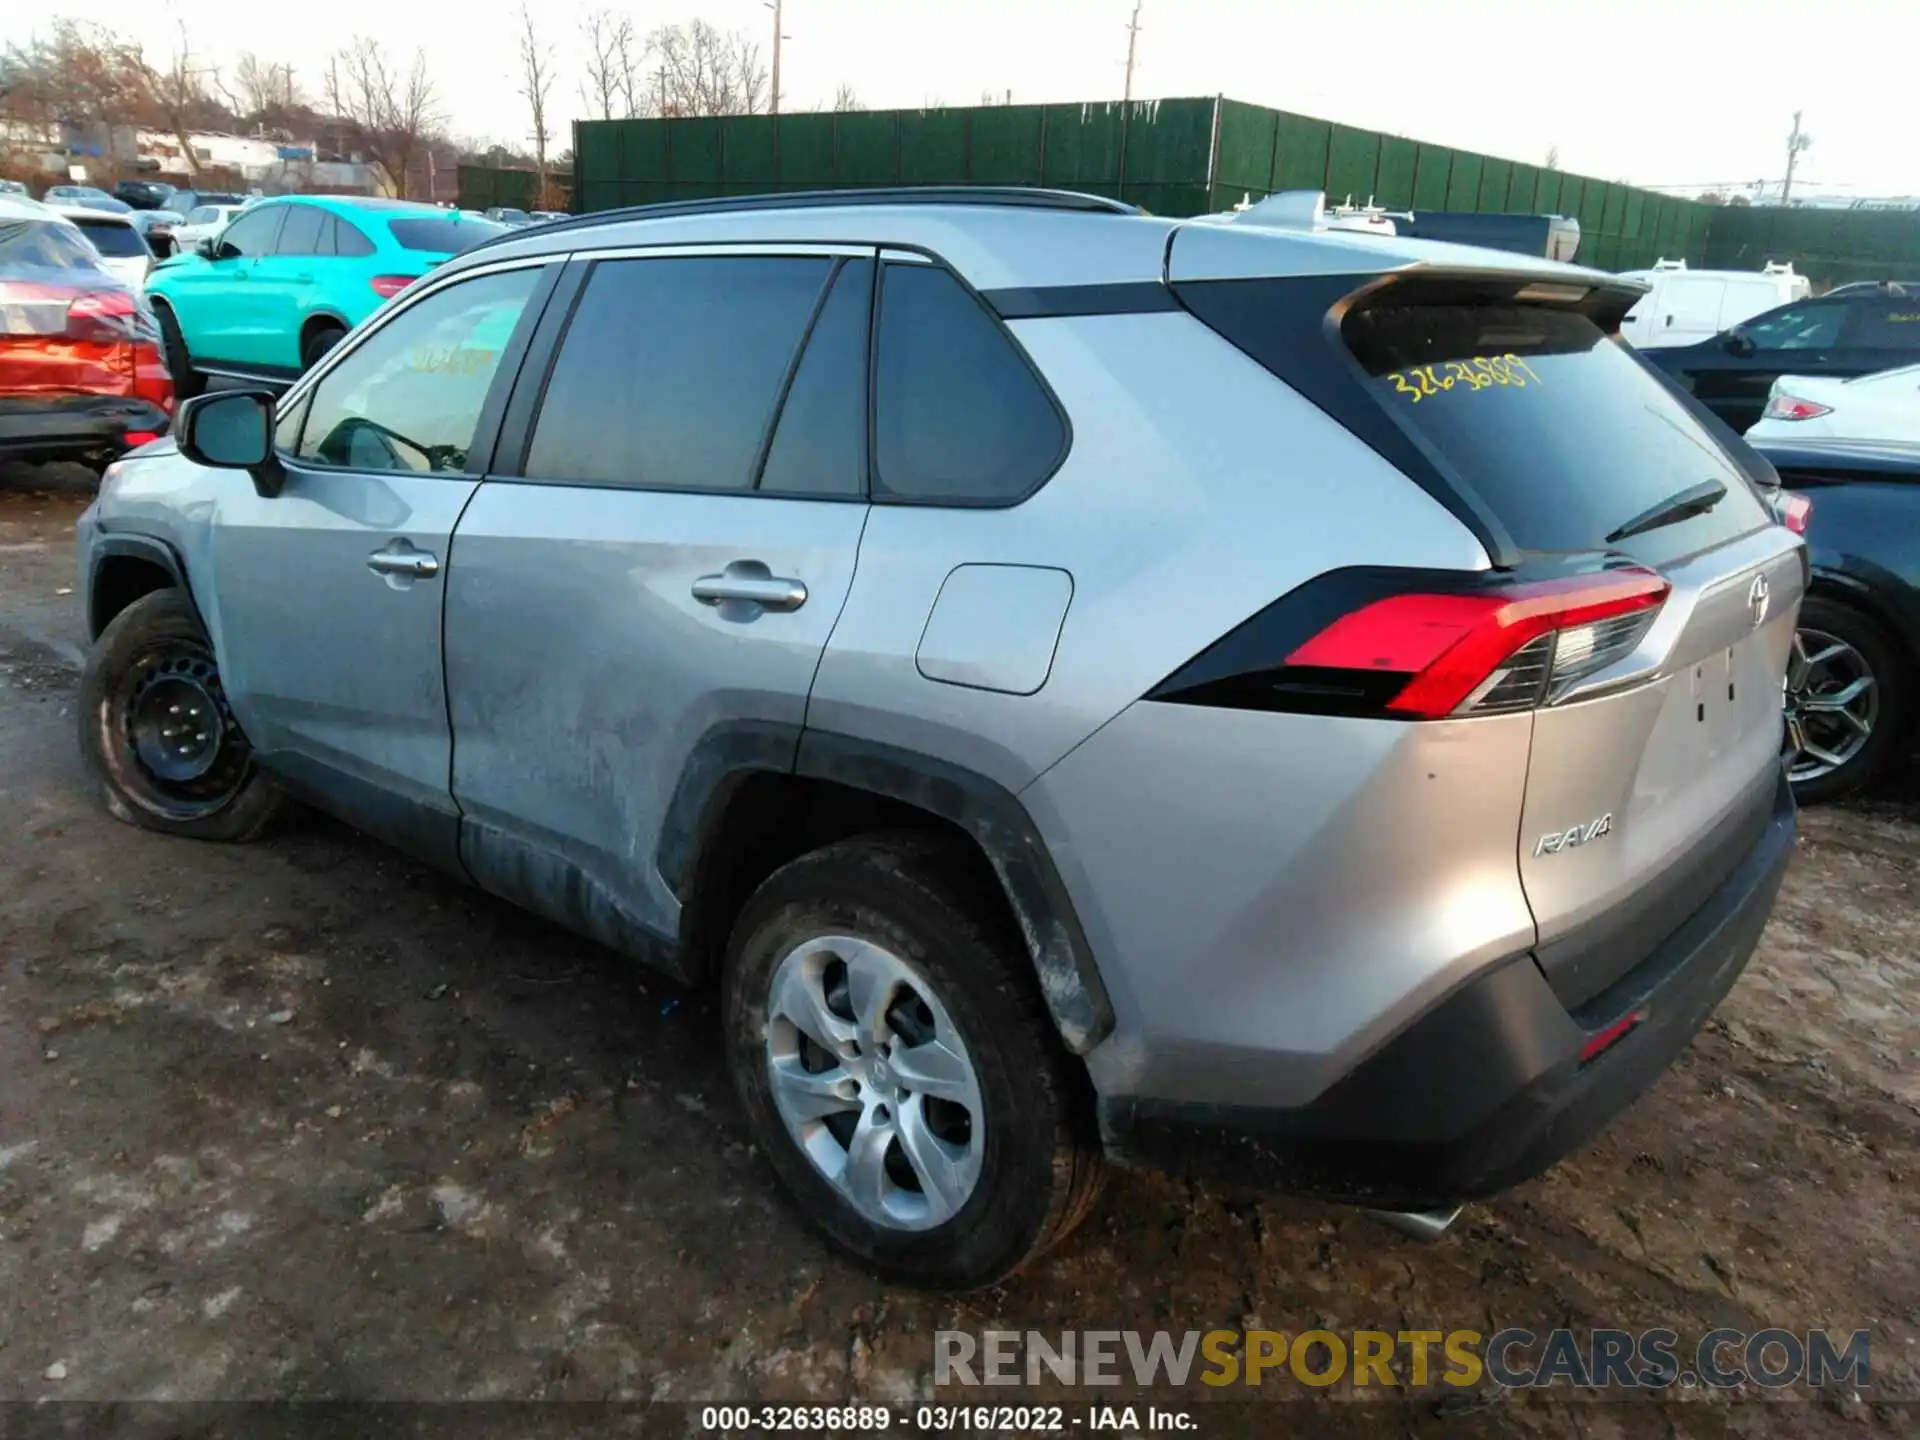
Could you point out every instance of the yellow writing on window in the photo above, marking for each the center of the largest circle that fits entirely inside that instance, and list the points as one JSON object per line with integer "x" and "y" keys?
{"x": 1481, "y": 372}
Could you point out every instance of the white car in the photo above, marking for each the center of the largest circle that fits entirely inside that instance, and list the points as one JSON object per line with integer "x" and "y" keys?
{"x": 1883, "y": 406}
{"x": 123, "y": 249}
{"x": 202, "y": 221}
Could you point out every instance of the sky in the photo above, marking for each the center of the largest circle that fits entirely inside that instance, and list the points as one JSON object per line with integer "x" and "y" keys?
{"x": 1656, "y": 92}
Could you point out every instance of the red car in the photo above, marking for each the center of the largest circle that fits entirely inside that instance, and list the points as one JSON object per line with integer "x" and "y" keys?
{"x": 81, "y": 372}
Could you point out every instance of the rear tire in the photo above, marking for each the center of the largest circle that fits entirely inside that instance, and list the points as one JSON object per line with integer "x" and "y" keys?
{"x": 156, "y": 732}
{"x": 322, "y": 339}
{"x": 1016, "y": 1165}
{"x": 187, "y": 382}
{"x": 1874, "y": 655}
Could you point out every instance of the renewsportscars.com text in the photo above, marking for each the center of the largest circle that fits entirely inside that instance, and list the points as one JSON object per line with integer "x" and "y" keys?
{"x": 1520, "y": 1359}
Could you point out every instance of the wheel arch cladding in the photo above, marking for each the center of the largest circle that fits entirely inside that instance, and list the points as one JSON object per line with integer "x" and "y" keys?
{"x": 125, "y": 568}
{"x": 692, "y": 855}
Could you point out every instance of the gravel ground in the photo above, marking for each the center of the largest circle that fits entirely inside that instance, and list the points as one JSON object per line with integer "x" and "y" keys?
{"x": 303, "y": 1119}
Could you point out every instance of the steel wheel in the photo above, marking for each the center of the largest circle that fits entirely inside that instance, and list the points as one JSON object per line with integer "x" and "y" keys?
{"x": 190, "y": 754}
{"x": 874, "y": 1082}
{"x": 1832, "y": 704}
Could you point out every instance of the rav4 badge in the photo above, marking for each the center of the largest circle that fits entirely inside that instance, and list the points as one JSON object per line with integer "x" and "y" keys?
{"x": 1554, "y": 841}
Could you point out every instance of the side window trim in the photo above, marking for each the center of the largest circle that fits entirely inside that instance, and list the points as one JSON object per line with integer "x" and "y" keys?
{"x": 897, "y": 255}
{"x": 487, "y": 428}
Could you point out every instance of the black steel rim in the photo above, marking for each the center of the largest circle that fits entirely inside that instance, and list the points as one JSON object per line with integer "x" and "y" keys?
{"x": 184, "y": 742}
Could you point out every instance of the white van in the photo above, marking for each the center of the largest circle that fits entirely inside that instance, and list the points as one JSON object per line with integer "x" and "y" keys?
{"x": 1688, "y": 306}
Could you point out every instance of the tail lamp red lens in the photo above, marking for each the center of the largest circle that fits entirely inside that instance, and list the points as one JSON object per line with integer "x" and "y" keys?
{"x": 1782, "y": 406}
{"x": 1604, "y": 1040}
{"x": 1454, "y": 645}
{"x": 101, "y": 317}
{"x": 1795, "y": 511}
{"x": 388, "y": 286}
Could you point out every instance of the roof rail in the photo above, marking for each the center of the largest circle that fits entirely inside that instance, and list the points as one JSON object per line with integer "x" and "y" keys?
{"x": 1015, "y": 196}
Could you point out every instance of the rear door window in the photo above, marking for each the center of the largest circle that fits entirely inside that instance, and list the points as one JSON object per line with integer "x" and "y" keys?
{"x": 113, "y": 239}
{"x": 348, "y": 242}
{"x": 302, "y": 233}
{"x": 820, "y": 442}
{"x": 671, "y": 370}
{"x": 1559, "y": 430}
{"x": 960, "y": 416}
{"x": 1890, "y": 322}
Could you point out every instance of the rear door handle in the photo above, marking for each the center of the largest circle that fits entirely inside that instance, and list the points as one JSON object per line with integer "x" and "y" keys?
{"x": 403, "y": 560}
{"x": 750, "y": 582}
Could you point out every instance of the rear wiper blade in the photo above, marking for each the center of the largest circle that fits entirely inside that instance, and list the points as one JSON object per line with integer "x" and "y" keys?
{"x": 1682, "y": 505}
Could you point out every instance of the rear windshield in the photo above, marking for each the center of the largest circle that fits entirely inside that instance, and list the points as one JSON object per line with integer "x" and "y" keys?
{"x": 35, "y": 244}
{"x": 443, "y": 237}
{"x": 1559, "y": 430}
{"x": 119, "y": 241}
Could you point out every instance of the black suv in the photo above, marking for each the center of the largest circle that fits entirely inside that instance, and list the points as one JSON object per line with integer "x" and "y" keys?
{"x": 1853, "y": 330}
{"x": 144, "y": 194}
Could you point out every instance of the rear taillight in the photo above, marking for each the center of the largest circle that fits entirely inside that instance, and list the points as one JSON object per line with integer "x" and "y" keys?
{"x": 137, "y": 438}
{"x": 1793, "y": 511}
{"x": 102, "y": 317}
{"x": 388, "y": 286}
{"x": 151, "y": 382}
{"x": 1782, "y": 406}
{"x": 1509, "y": 647}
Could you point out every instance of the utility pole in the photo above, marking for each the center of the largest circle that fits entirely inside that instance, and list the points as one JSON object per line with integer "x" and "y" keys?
{"x": 1133, "y": 34}
{"x": 774, "y": 5}
{"x": 1796, "y": 143}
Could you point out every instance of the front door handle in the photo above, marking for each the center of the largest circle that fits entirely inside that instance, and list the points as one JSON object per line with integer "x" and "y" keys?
{"x": 402, "y": 561}
{"x": 749, "y": 582}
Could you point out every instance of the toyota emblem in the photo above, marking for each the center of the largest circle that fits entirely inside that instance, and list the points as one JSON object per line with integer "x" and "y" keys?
{"x": 1758, "y": 594}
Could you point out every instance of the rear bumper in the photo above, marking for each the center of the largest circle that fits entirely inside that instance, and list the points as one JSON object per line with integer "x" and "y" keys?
{"x": 1487, "y": 1088}
{"x": 71, "y": 425}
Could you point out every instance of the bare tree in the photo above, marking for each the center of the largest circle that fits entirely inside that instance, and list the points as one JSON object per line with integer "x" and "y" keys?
{"x": 1553, "y": 157}
{"x": 178, "y": 97}
{"x": 261, "y": 86}
{"x": 536, "y": 83}
{"x": 700, "y": 70}
{"x": 391, "y": 114}
{"x": 610, "y": 83}
{"x": 844, "y": 98}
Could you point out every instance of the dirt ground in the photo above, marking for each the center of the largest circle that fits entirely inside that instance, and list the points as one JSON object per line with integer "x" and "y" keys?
{"x": 303, "y": 1119}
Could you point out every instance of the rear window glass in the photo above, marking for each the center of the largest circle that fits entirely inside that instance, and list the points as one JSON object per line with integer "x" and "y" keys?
{"x": 443, "y": 237}
{"x": 1559, "y": 430}
{"x": 119, "y": 241}
{"x": 42, "y": 245}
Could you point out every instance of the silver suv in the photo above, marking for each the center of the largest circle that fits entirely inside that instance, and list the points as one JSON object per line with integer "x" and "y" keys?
{"x": 1298, "y": 705}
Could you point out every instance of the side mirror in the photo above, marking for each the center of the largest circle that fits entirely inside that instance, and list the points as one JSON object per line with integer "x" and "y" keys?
{"x": 1739, "y": 343}
{"x": 207, "y": 248}
{"x": 232, "y": 430}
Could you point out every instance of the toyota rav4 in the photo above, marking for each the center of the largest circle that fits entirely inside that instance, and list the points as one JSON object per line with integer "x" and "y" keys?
{"x": 1082, "y": 685}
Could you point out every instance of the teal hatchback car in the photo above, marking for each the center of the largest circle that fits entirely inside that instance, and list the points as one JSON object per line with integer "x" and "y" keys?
{"x": 280, "y": 286}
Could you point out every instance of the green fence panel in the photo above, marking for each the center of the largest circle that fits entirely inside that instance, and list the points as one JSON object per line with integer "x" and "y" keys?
{"x": 1546, "y": 193}
{"x": 933, "y": 147}
{"x": 749, "y": 152}
{"x": 868, "y": 149}
{"x": 1573, "y": 189}
{"x": 1496, "y": 177}
{"x": 643, "y": 150}
{"x": 1083, "y": 147}
{"x": 1463, "y": 188}
{"x": 1633, "y": 215}
{"x": 1171, "y": 197}
{"x": 1169, "y": 142}
{"x": 1435, "y": 167}
{"x": 1615, "y": 208}
{"x": 1244, "y": 155}
{"x": 1593, "y": 206}
{"x": 806, "y": 152}
{"x": 1353, "y": 165}
{"x": 1399, "y": 161}
{"x": 693, "y": 151}
{"x": 1523, "y": 190}
{"x": 1006, "y": 145}
{"x": 1301, "y": 147}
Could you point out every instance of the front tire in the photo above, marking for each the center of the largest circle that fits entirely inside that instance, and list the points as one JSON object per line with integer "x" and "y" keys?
{"x": 156, "y": 731}
{"x": 1848, "y": 701}
{"x": 898, "y": 1067}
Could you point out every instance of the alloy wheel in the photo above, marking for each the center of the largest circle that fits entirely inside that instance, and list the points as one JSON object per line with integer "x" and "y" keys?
{"x": 1832, "y": 704}
{"x": 874, "y": 1082}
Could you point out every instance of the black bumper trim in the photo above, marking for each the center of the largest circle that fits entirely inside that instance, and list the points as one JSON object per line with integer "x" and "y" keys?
{"x": 75, "y": 425}
{"x": 1486, "y": 1089}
